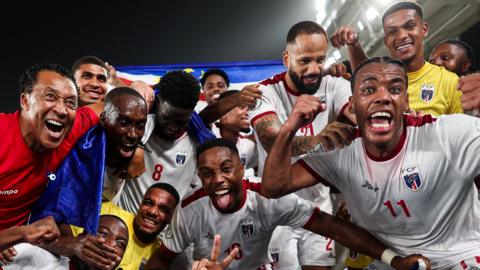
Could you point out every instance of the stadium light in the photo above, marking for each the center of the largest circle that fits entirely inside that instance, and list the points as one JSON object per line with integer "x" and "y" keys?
{"x": 360, "y": 25}
{"x": 372, "y": 13}
{"x": 337, "y": 54}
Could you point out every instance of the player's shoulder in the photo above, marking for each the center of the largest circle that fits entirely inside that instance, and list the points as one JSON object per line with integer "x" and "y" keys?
{"x": 445, "y": 76}
{"x": 7, "y": 120}
{"x": 195, "y": 197}
{"x": 274, "y": 80}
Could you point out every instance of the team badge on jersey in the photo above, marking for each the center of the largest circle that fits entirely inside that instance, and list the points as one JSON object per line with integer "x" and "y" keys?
{"x": 181, "y": 158}
{"x": 247, "y": 227}
{"x": 411, "y": 178}
{"x": 275, "y": 254}
{"x": 427, "y": 92}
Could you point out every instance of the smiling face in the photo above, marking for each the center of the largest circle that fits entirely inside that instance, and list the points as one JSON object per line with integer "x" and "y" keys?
{"x": 305, "y": 59}
{"x": 214, "y": 86}
{"x": 221, "y": 173}
{"x": 48, "y": 111}
{"x": 124, "y": 123}
{"x": 452, "y": 57}
{"x": 91, "y": 80}
{"x": 154, "y": 214}
{"x": 379, "y": 101}
{"x": 236, "y": 119}
{"x": 404, "y": 34}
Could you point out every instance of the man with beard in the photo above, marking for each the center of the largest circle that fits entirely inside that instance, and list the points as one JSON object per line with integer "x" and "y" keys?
{"x": 407, "y": 180}
{"x": 431, "y": 89}
{"x": 156, "y": 210}
{"x": 235, "y": 208}
{"x": 304, "y": 58}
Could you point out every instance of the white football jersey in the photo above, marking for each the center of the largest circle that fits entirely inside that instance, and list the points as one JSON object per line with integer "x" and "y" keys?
{"x": 171, "y": 162}
{"x": 422, "y": 198}
{"x": 249, "y": 228}
{"x": 279, "y": 99}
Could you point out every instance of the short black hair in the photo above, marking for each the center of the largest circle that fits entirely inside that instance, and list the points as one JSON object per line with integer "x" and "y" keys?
{"x": 122, "y": 91}
{"x": 168, "y": 188}
{"x": 304, "y": 28}
{"x": 468, "y": 51}
{"x": 90, "y": 59}
{"x": 384, "y": 59}
{"x": 228, "y": 93}
{"x": 216, "y": 143}
{"x": 401, "y": 6}
{"x": 29, "y": 76}
{"x": 179, "y": 89}
{"x": 214, "y": 71}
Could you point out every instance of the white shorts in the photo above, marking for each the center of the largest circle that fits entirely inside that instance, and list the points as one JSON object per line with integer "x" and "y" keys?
{"x": 292, "y": 248}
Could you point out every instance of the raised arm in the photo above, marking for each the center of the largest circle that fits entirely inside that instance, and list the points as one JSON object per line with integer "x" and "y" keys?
{"x": 248, "y": 97}
{"x": 277, "y": 177}
{"x": 40, "y": 232}
{"x": 362, "y": 241}
{"x": 346, "y": 35}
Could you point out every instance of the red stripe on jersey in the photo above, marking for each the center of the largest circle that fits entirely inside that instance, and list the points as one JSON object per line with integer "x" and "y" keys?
{"x": 202, "y": 96}
{"x": 257, "y": 187}
{"x": 275, "y": 79}
{"x": 344, "y": 107}
{"x": 477, "y": 258}
{"x": 168, "y": 252}
{"x": 413, "y": 121}
{"x": 314, "y": 174}
{"x": 261, "y": 115}
{"x": 463, "y": 264}
{"x": 195, "y": 196}
{"x": 315, "y": 213}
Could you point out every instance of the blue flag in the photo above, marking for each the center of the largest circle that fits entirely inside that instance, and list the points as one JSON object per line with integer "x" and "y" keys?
{"x": 74, "y": 192}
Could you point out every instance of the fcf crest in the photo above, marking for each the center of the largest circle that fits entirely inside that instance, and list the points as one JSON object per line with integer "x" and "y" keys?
{"x": 247, "y": 227}
{"x": 411, "y": 178}
{"x": 180, "y": 158}
{"x": 427, "y": 92}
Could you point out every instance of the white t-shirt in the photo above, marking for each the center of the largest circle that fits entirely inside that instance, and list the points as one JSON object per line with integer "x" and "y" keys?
{"x": 171, "y": 162}
{"x": 279, "y": 99}
{"x": 30, "y": 257}
{"x": 422, "y": 198}
{"x": 249, "y": 228}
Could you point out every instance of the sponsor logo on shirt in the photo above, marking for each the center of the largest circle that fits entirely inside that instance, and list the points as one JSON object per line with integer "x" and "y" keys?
{"x": 369, "y": 186}
{"x": 411, "y": 178}
{"x": 427, "y": 92}
{"x": 181, "y": 158}
{"x": 247, "y": 227}
{"x": 8, "y": 192}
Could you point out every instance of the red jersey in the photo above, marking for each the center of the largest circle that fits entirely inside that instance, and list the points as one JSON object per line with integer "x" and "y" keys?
{"x": 23, "y": 173}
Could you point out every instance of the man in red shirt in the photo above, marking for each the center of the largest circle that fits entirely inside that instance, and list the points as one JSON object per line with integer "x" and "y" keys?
{"x": 37, "y": 138}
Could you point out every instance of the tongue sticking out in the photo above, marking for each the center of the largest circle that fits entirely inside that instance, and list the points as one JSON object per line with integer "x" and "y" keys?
{"x": 224, "y": 201}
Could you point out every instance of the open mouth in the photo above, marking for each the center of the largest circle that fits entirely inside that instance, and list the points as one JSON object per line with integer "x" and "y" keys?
{"x": 404, "y": 47}
{"x": 149, "y": 222}
{"x": 127, "y": 150}
{"x": 55, "y": 128}
{"x": 223, "y": 197}
{"x": 310, "y": 79}
{"x": 94, "y": 93}
{"x": 380, "y": 121}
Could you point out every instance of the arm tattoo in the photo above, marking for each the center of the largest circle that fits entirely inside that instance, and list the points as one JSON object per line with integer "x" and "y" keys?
{"x": 267, "y": 130}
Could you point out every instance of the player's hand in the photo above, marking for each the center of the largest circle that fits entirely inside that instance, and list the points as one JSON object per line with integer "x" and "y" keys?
{"x": 335, "y": 134}
{"x": 338, "y": 70}
{"x": 146, "y": 91}
{"x": 410, "y": 262}
{"x": 41, "y": 232}
{"x": 248, "y": 96}
{"x": 136, "y": 167}
{"x": 112, "y": 76}
{"x": 345, "y": 35}
{"x": 469, "y": 85}
{"x": 304, "y": 111}
{"x": 96, "y": 252}
{"x": 212, "y": 264}
{"x": 7, "y": 255}
{"x": 342, "y": 211}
